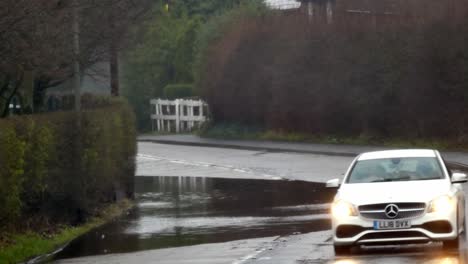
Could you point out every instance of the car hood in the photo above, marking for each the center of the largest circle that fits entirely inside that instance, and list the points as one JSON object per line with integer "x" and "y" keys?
{"x": 393, "y": 192}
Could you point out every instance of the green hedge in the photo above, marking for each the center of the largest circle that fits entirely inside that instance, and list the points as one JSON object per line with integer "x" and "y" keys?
{"x": 61, "y": 167}
{"x": 175, "y": 91}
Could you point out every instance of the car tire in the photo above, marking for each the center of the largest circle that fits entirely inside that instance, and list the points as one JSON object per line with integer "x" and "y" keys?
{"x": 342, "y": 250}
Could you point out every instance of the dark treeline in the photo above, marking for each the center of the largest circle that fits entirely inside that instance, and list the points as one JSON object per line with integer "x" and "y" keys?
{"x": 405, "y": 76}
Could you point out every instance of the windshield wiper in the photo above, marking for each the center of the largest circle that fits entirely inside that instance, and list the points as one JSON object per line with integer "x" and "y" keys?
{"x": 383, "y": 180}
{"x": 393, "y": 179}
{"x": 427, "y": 179}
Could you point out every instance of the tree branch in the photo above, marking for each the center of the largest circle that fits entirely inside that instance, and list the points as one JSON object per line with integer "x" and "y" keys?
{"x": 4, "y": 87}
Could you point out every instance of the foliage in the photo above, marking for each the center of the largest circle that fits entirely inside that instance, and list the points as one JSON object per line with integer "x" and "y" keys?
{"x": 11, "y": 172}
{"x": 174, "y": 91}
{"x": 32, "y": 243}
{"x": 162, "y": 57}
{"x": 239, "y": 131}
{"x": 285, "y": 73}
{"x": 165, "y": 52}
{"x": 60, "y": 167}
{"x": 230, "y": 131}
{"x": 37, "y": 48}
{"x": 215, "y": 29}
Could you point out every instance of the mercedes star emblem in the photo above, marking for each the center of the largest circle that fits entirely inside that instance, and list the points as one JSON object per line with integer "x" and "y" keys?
{"x": 391, "y": 211}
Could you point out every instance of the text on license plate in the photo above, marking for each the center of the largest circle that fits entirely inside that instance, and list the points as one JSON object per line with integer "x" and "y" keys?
{"x": 392, "y": 224}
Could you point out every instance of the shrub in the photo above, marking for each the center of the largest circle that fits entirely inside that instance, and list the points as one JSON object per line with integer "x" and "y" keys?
{"x": 286, "y": 73}
{"x": 61, "y": 167}
{"x": 230, "y": 131}
{"x": 11, "y": 173}
{"x": 175, "y": 91}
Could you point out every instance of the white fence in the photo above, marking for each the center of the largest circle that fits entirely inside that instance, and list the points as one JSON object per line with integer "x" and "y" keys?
{"x": 178, "y": 115}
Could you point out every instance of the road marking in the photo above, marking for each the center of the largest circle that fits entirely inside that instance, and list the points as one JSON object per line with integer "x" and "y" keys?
{"x": 253, "y": 255}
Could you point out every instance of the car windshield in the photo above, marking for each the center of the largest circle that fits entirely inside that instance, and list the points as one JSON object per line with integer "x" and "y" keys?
{"x": 396, "y": 169}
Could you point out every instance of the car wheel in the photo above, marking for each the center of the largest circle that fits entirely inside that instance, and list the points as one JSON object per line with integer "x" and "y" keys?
{"x": 342, "y": 250}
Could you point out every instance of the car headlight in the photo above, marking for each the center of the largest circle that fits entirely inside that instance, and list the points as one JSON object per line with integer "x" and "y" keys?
{"x": 341, "y": 208}
{"x": 442, "y": 204}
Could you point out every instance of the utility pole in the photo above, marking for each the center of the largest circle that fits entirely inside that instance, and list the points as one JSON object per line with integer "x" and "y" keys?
{"x": 113, "y": 56}
{"x": 114, "y": 69}
{"x": 76, "y": 54}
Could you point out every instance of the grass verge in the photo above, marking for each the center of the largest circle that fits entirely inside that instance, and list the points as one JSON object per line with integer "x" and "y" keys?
{"x": 31, "y": 244}
{"x": 236, "y": 131}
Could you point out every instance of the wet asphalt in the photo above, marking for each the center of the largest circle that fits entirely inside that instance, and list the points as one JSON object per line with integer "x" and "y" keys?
{"x": 256, "y": 212}
{"x": 182, "y": 211}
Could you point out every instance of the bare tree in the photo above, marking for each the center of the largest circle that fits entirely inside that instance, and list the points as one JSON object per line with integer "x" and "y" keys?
{"x": 108, "y": 22}
{"x": 37, "y": 36}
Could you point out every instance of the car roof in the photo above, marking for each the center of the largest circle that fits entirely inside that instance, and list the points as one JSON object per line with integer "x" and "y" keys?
{"x": 398, "y": 153}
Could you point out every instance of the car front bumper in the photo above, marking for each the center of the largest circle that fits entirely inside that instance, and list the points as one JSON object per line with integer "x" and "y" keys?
{"x": 357, "y": 230}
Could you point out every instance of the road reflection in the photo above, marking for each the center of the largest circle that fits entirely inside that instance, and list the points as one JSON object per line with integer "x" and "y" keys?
{"x": 432, "y": 253}
{"x": 181, "y": 211}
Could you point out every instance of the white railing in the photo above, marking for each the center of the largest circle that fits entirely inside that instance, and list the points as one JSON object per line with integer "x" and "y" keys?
{"x": 283, "y": 4}
{"x": 177, "y": 115}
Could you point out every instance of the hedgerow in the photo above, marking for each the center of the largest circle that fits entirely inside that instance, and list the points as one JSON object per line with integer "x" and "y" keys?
{"x": 398, "y": 76}
{"x": 61, "y": 167}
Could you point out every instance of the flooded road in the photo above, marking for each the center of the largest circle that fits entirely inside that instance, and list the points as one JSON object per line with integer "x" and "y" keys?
{"x": 228, "y": 217}
{"x": 183, "y": 211}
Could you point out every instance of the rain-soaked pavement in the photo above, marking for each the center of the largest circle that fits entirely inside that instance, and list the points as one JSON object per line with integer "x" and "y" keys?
{"x": 174, "y": 212}
{"x": 183, "y": 211}
{"x": 234, "y": 219}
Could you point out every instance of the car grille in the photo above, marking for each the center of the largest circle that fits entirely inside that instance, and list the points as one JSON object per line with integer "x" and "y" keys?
{"x": 392, "y": 235}
{"x": 400, "y": 237}
{"x": 406, "y": 210}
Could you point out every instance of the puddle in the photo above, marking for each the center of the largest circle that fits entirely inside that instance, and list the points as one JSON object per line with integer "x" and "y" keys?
{"x": 182, "y": 211}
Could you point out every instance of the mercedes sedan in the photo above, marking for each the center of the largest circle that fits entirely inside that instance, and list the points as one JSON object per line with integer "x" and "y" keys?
{"x": 396, "y": 197}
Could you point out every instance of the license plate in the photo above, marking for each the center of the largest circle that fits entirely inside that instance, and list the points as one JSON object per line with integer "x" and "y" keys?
{"x": 392, "y": 224}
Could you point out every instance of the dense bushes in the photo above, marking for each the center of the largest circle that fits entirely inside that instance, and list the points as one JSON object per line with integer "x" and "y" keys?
{"x": 61, "y": 167}
{"x": 289, "y": 74}
{"x": 175, "y": 91}
{"x": 165, "y": 51}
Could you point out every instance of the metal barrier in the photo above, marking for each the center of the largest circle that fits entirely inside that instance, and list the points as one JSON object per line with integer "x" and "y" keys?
{"x": 178, "y": 115}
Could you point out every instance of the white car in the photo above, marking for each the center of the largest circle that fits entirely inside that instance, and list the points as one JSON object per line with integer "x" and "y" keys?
{"x": 396, "y": 197}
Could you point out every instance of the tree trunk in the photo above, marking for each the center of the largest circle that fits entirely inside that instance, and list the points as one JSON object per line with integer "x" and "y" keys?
{"x": 5, "y": 86}
{"x": 76, "y": 52}
{"x": 6, "y": 108}
{"x": 114, "y": 69}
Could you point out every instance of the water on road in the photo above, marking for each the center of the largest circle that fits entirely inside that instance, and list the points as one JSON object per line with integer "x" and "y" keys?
{"x": 182, "y": 211}
{"x": 177, "y": 219}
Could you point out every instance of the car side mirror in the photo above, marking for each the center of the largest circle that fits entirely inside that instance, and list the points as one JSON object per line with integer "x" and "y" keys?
{"x": 459, "y": 177}
{"x": 335, "y": 183}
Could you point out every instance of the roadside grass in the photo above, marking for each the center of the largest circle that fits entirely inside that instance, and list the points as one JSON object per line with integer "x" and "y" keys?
{"x": 230, "y": 131}
{"x": 237, "y": 131}
{"x": 162, "y": 133}
{"x": 29, "y": 244}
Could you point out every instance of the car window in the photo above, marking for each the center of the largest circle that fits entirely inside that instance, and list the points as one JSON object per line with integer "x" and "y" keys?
{"x": 396, "y": 169}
